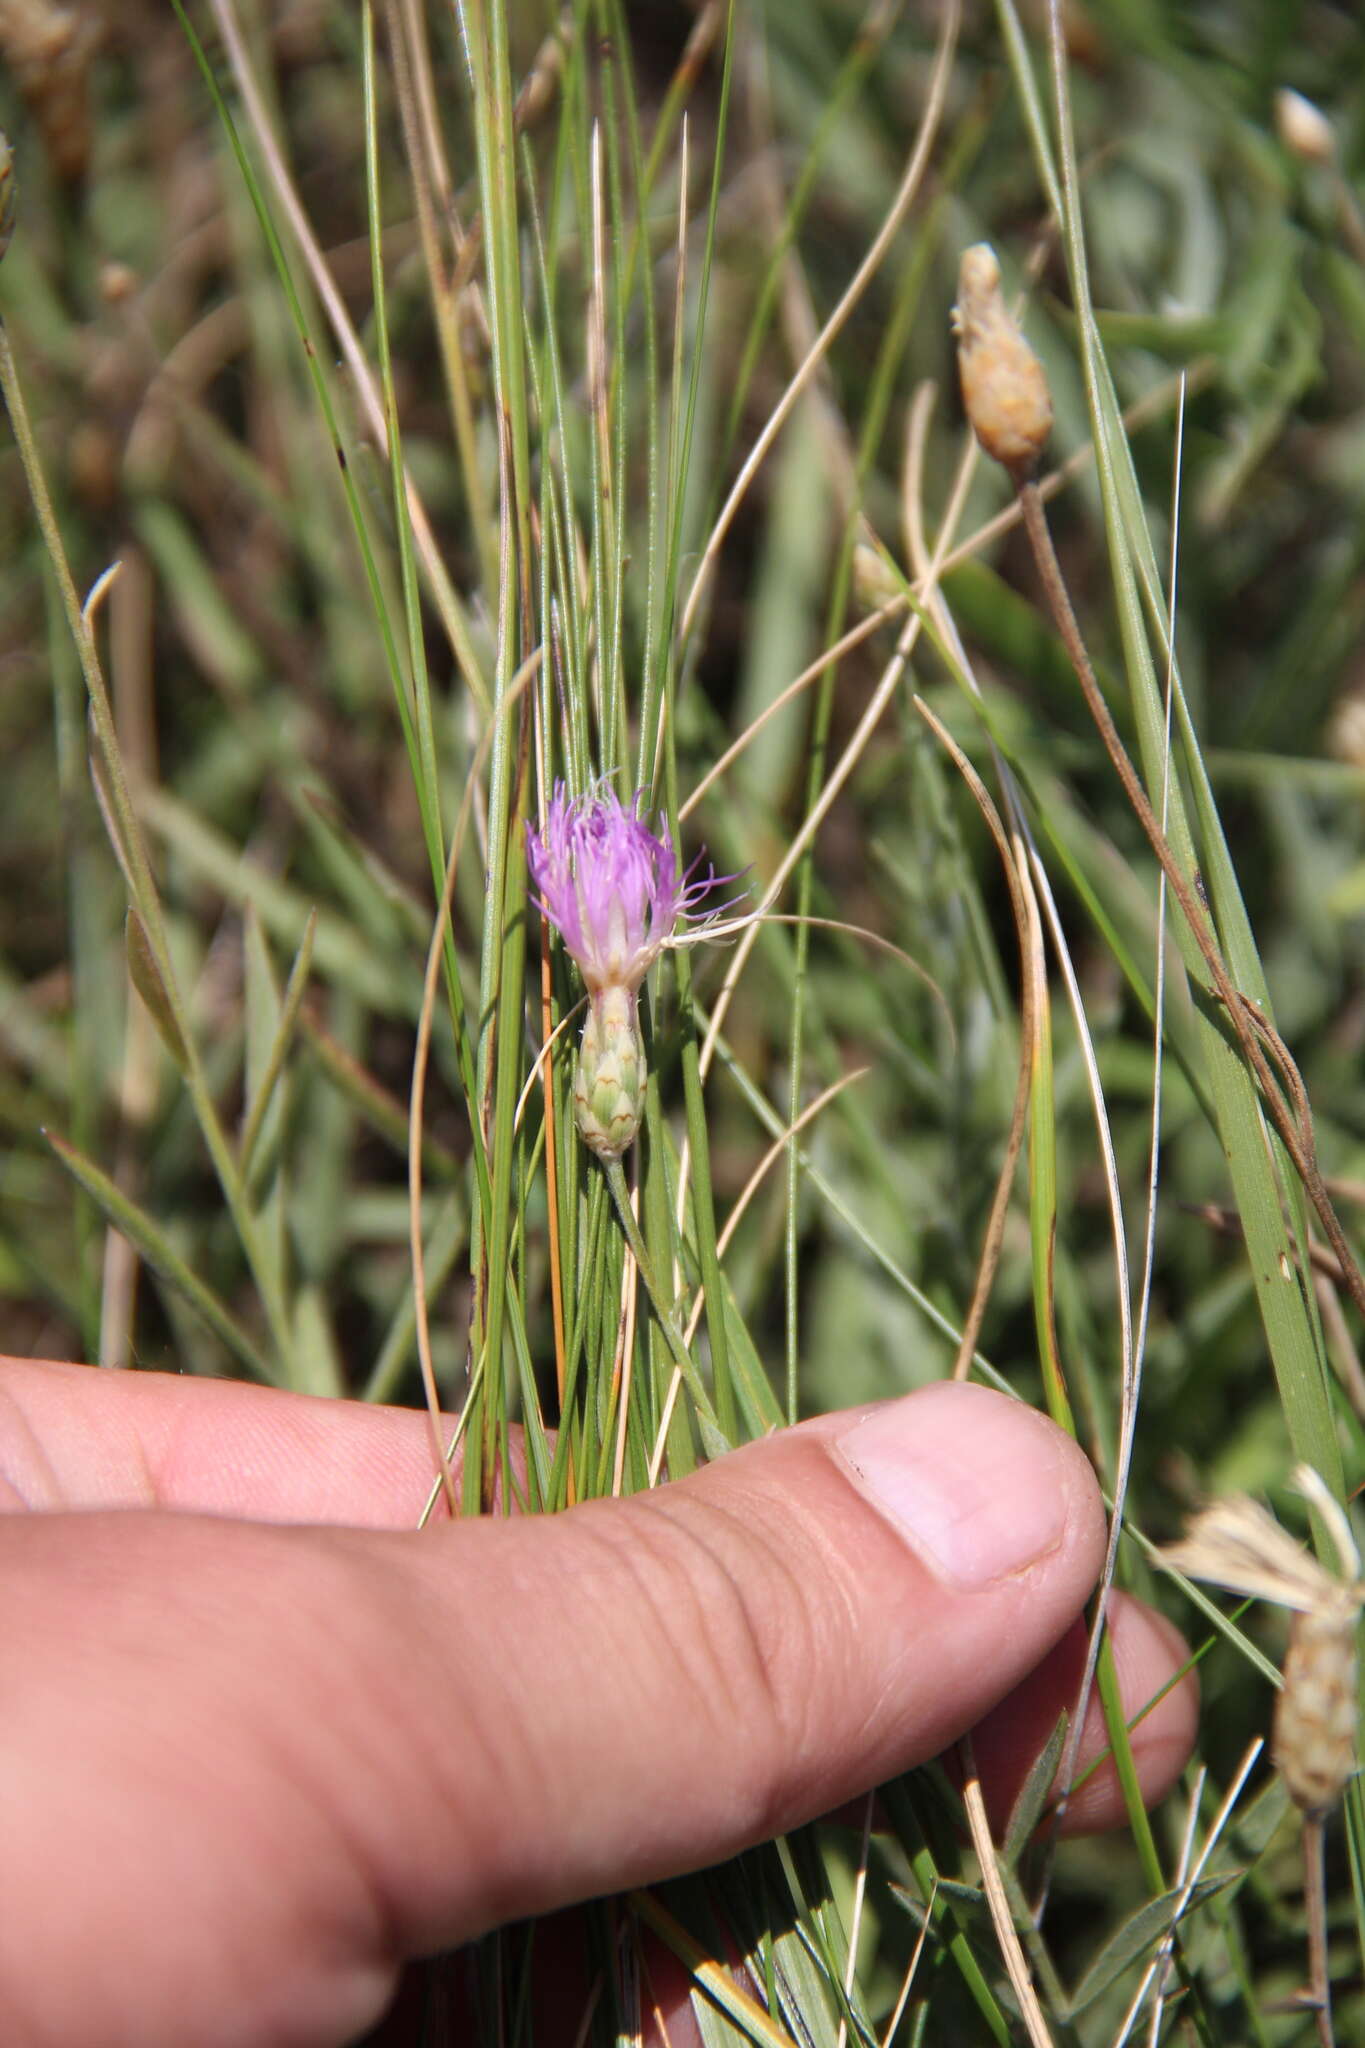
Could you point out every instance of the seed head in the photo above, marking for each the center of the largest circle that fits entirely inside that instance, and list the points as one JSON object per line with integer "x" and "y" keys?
{"x": 1237, "y": 1544}
{"x": 1316, "y": 1713}
{"x": 1003, "y": 384}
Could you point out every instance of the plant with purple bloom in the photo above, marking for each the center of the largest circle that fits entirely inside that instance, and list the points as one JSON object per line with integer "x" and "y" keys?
{"x": 612, "y": 889}
{"x": 614, "y": 892}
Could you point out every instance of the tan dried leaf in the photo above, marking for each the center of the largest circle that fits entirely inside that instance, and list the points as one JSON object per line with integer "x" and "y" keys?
{"x": 1238, "y": 1544}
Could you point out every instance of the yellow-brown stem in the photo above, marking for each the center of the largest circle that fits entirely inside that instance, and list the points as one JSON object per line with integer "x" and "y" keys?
{"x": 1253, "y": 1030}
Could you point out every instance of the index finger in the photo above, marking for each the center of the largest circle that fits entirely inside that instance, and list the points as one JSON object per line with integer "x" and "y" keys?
{"x": 73, "y": 1436}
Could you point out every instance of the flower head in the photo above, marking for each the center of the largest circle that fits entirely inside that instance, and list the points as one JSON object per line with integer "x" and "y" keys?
{"x": 614, "y": 892}
{"x": 1237, "y": 1544}
{"x": 612, "y": 888}
{"x": 1004, "y": 387}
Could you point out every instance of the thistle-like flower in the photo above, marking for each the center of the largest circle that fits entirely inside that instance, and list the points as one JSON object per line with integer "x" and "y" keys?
{"x": 614, "y": 892}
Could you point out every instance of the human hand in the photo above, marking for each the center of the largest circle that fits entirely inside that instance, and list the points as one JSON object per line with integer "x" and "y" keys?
{"x": 262, "y": 1743}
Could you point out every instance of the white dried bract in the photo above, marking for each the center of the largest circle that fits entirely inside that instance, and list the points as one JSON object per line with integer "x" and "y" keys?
{"x": 1303, "y": 128}
{"x": 1235, "y": 1543}
{"x": 1004, "y": 387}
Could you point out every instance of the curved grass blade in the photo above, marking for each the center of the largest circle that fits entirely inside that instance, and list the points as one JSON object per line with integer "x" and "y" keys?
{"x": 152, "y": 1244}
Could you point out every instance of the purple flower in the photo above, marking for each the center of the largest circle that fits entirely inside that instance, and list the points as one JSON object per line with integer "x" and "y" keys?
{"x": 612, "y": 889}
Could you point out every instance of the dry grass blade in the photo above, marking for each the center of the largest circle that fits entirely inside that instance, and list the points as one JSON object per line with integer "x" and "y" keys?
{"x": 1155, "y": 1974}
{"x": 1152, "y": 406}
{"x": 855, "y": 1923}
{"x": 1032, "y": 991}
{"x": 760, "y": 1173}
{"x": 866, "y": 271}
{"x": 1292, "y": 1118}
{"x": 624, "y": 1364}
{"x": 1011, "y": 1948}
{"x": 714, "y": 1982}
{"x": 885, "y": 690}
{"x": 911, "y": 1972}
{"x": 347, "y": 339}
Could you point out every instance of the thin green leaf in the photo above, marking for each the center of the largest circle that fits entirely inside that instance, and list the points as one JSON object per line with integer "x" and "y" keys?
{"x": 1139, "y": 1934}
{"x": 151, "y": 1243}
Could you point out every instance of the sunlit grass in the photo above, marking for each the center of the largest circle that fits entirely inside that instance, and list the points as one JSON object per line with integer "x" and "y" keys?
{"x": 493, "y": 400}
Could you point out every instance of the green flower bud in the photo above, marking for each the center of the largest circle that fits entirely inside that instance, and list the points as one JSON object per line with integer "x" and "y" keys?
{"x": 609, "y": 1087}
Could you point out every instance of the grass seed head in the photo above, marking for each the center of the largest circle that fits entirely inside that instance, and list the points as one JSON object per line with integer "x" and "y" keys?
{"x": 1004, "y": 387}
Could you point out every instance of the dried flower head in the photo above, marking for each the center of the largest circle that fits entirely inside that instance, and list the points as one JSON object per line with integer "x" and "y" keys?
{"x": 1237, "y": 1544}
{"x": 614, "y": 892}
{"x": 1316, "y": 1714}
{"x": 1004, "y": 387}
{"x": 47, "y": 48}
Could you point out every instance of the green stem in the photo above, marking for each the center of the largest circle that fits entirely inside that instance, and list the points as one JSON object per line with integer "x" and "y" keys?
{"x": 616, "y": 1181}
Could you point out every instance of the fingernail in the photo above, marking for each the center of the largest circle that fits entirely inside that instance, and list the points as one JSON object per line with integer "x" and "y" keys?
{"x": 979, "y": 1484}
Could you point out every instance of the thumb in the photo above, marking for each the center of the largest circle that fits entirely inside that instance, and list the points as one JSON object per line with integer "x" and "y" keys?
{"x": 314, "y": 1751}
{"x": 640, "y": 1687}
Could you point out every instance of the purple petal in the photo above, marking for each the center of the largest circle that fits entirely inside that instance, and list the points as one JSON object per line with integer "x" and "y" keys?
{"x": 611, "y": 887}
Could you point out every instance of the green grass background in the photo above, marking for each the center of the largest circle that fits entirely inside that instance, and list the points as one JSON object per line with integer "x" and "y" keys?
{"x": 577, "y": 259}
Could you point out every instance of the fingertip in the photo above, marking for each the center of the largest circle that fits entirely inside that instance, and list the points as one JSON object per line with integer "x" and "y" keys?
{"x": 984, "y": 1488}
{"x": 1160, "y": 1695}
{"x": 1160, "y": 1692}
